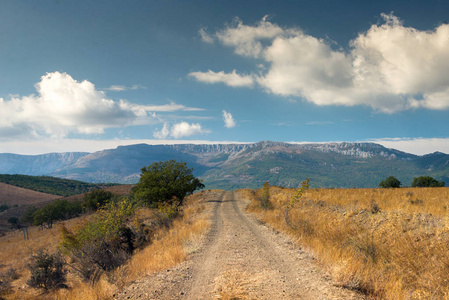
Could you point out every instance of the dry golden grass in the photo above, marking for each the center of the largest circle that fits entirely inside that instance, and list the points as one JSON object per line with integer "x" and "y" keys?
{"x": 399, "y": 252}
{"x": 168, "y": 248}
{"x": 15, "y": 250}
{"x": 232, "y": 285}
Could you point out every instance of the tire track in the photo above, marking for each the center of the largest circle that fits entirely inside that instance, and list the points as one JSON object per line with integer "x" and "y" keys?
{"x": 243, "y": 259}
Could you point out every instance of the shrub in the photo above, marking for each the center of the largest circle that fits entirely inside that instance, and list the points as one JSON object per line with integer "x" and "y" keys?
{"x": 47, "y": 270}
{"x": 103, "y": 244}
{"x": 96, "y": 199}
{"x": 426, "y": 181}
{"x": 14, "y": 222}
{"x": 295, "y": 199}
{"x": 390, "y": 182}
{"x": 264, "y": 199}
{"x": 4, "y": 207}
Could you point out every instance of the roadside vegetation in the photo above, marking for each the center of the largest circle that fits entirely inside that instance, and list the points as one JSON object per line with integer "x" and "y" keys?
{"x": 94, "y": 256}
{"x": 386, "y": 243}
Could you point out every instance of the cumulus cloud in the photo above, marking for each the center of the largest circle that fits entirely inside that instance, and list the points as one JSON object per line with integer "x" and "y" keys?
{"x": 64, "y": 105}
{"x": 389, "y": 67}
{"x": 228, "y": 119}
{"x": 178, "y": 130}
{"x": 247, "y": 40}
{"x": 205, "y": 37}
{"x": 163, "y": 133}
{"x": 231, "y": 79}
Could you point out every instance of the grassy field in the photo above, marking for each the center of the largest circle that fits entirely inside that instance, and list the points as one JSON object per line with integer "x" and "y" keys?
{"x": 387, "y": 243}
{"x": 168, "y": 247}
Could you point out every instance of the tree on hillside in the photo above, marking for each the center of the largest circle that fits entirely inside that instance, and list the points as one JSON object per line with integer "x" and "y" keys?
{"x": 28, "y": 215}
{"x": 426, "y": 181}
{"x": 57, "y": 210}
{"x": 166, "y": 181}
{"x": 14, "y": 222}
{"x": 96, "y": 199}
{"x": 390, "y": 182}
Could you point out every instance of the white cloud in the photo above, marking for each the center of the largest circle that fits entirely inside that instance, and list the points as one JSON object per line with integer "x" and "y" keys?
{"x": 205, "y": 37}
{"x": 163, "y": 133}
{"x": 228, "y": 119}
{"x": 64, "y": 105}
{"x": 418, "y": 146}
{"x": 121, "y": 88}
{"x": 389, "y": 67}
{"x": 231, "y": 79}
{"x": 185, "y": 129}
{"x": 178, "y": 130}
{"x": 247, "y": 40}
{"x": 172, "y": 106}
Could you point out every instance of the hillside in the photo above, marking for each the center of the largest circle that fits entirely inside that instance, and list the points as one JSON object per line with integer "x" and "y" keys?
{"x": 232, "y": 166}
{"x": 12, "y": 195}
{"x": 49, "y": 185}
{"x": 18, "y": 199}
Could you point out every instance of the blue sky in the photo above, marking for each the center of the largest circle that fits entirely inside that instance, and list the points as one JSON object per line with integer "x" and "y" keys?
{"x": 90, "y": 75}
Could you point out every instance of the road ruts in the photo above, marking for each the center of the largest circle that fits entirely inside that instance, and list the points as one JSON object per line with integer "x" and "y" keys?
{"x": 267, "y": 263}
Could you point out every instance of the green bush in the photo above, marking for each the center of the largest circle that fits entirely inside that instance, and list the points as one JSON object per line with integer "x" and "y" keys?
{"x": 96, "y": 199}
{"x": 103, "y": 244}
{"x": 4, "y": 207}
{"x": 14, "y": 222}
{"x": 426, "y": 181}
{"x": 390, "y": 182}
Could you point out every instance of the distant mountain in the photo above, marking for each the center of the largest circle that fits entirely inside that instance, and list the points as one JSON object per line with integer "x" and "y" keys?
{"x": 232, "y": 166}
{"x": 37, "y": 164}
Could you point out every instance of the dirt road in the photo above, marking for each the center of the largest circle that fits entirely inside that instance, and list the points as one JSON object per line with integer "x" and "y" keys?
{"x": 240, "y": 259}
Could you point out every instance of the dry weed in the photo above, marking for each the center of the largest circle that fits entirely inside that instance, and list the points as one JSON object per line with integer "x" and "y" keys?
{"x": 232, "y": 285}
{"x": 388, "y": 243}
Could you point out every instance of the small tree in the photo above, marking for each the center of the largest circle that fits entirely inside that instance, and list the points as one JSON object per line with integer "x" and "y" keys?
{"x": 57, "y": 210}
{"x": 426, "y": 181}
{"x": 28, "y": 215}
{"x": 265, "y": 197}
{"x": 295, "y": 199}
{"x": 14, "y": 222}
{"x": 390, "y": 182}
{"x": 96, "y": 199}
{"x": 167, "y": 181}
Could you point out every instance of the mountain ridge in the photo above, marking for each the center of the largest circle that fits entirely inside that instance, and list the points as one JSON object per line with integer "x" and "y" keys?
{"x": 231, "y": 166}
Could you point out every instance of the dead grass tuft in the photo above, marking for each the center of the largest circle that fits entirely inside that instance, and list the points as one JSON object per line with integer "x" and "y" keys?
{"x": 232, "y": 285}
